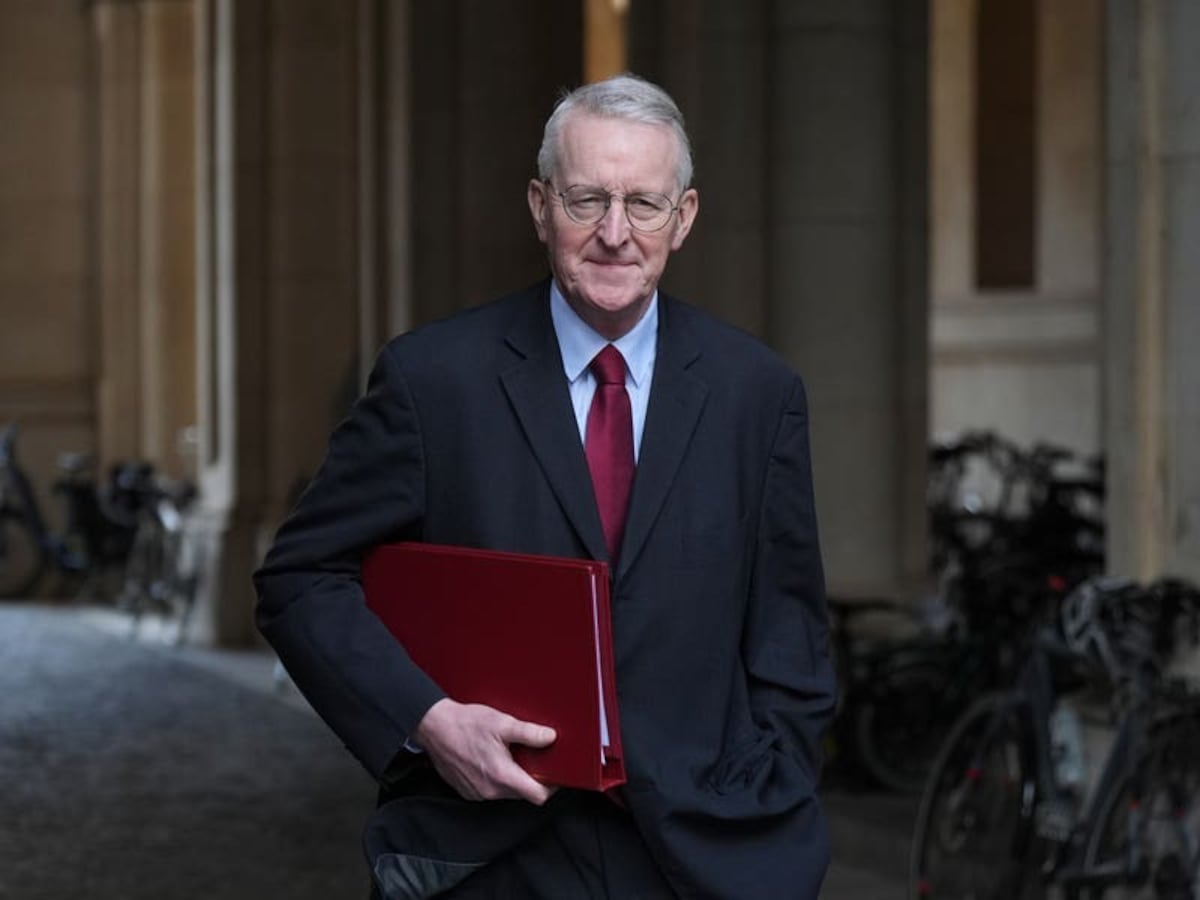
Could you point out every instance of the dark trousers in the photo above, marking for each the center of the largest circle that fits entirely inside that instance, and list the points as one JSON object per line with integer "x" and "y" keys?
{"x": 591, "y": 851}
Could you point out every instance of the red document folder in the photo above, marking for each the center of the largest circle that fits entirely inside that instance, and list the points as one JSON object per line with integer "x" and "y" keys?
{"x": 528, "y": 635}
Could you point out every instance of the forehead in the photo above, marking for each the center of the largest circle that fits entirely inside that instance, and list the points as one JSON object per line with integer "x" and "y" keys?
{"x": 614, "y": 152}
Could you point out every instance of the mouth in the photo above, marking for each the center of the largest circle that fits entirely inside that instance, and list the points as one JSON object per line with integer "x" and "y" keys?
{"x": 610, "y": 263}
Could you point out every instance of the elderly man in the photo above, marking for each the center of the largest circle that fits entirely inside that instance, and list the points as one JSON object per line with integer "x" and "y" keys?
{"x": 589, "y": 416}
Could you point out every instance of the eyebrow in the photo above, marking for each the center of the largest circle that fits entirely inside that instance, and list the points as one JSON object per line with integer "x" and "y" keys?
{"x": 598, "y": 187}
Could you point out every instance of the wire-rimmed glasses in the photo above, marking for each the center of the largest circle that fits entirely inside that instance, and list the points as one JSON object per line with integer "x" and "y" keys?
{"x": 587, "y": 205}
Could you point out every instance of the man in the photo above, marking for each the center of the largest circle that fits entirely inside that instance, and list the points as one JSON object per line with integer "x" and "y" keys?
{"x": 484, "y": 430}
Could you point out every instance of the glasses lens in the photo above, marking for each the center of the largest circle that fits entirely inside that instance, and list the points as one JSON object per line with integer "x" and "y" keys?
{"x": 648, "y": 211}
{"x": 645, "y": 212}
{"x": 585, "y": 205}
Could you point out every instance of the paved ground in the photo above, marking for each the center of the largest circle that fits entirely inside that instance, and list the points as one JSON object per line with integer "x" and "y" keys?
{"x": 133, "y": 770}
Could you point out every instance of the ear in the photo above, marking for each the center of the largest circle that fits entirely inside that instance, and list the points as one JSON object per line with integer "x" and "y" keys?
{"x": 539, "y": 206}
{"x": 689, "y": 206}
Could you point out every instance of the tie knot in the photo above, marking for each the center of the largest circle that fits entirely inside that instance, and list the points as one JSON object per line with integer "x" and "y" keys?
{"x": 609, "y": 366}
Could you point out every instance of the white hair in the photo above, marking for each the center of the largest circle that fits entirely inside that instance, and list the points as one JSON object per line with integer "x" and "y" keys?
{"x": 621, "y": 97}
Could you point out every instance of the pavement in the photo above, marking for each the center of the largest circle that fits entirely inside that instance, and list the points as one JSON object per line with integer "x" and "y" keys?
{"x": 134, "y": 769}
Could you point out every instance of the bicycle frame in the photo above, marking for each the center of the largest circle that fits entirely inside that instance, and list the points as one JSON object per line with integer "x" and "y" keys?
{"x": 1123, "y": 765}
{"x": 93, "y": 540}
{"x": 1055, "y": 817}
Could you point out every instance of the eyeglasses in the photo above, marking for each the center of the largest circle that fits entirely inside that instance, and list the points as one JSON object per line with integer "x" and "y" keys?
{"x": 586, "y": 205}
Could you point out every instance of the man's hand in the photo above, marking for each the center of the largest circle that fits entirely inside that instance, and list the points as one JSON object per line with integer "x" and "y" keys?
{"x": 468, "y": 744}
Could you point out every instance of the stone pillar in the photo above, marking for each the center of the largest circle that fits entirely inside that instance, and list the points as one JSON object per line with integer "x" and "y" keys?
{"x": 847, "y": 272}
{"x": 1152, "y": 287}
{"x": 117, "y": 52}
{"x": 231, "y": 470}
{"x": 145, "y": 229}
{"x": 292, "y": 296}
{"x": 910, "y": 395}
{"x": 165, "y": 251}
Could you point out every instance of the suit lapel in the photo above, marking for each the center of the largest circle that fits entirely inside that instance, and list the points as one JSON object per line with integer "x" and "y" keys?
{"x": 537, "y": 388}
{"x": 676, "y": 399}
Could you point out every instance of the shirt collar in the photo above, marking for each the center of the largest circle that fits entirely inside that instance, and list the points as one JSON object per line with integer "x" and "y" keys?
{"x": 579, "y": 343}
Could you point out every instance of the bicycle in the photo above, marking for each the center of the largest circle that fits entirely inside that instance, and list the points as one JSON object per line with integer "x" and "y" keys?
{"x": 1003, "y": 555}
{"x": 856, "y": 656}
{"x": 1005, "y": 813}
{"x": 98, "y": 531}
{"x": 162, "y": 570}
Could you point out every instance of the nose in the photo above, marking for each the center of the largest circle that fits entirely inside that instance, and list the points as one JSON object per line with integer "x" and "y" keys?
{"x": 614, "y": 227}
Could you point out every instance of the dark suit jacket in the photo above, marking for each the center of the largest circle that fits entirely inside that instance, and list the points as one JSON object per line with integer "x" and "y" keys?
{"x": 466, "y": 436}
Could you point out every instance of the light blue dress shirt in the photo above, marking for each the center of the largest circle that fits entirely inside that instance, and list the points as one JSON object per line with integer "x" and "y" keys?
{"x": 579, "y": 345}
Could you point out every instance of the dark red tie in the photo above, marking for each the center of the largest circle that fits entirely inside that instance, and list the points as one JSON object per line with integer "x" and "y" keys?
{"x": 609, "y": 445}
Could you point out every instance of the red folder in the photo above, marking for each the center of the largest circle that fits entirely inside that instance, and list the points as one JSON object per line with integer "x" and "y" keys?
{"x": 528, "y": 635}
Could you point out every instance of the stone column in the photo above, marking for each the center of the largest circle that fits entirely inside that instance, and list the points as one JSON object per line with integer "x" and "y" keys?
{"x": 288, "y": 255}
{"x": 116, "y": 32}
{"x": 145, "y": 229}
{"x": 166, "y": 245}
{"x": 847, "y": 272}
{"x": 230, "y": 153}
{"x": 1152, "y": 287}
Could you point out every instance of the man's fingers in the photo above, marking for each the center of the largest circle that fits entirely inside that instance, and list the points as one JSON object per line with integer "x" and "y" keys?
{"x": 531, "y": 790}
{"x": 538, "y": 794}
{"x": 470, "y": 747}
{"x": 529, "y": 734}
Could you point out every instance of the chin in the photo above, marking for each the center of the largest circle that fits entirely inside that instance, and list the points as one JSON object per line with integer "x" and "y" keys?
{"x": 612, "y": 299}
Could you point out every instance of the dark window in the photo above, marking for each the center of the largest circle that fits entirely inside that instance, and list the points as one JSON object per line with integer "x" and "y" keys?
{"x": 1005, "y": 142}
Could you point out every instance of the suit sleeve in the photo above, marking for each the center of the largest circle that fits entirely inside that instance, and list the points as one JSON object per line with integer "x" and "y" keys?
{"x": 368, "y": 490}
{"x": 787, "y": 635}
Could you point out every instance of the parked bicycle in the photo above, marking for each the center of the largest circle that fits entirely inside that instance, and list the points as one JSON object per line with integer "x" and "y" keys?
{"x": 98, "y": 530}
{"x": 162, "y": 569}
{"x": 1009, "y": 808}
{"x": 883, "y": 707}
{"x": 993, "y": 505}
{"x": 1011, "y": 534}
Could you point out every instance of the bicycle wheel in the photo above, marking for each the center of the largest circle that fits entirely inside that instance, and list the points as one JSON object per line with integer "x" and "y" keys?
{"x": 21, "y": 557}
{"x": 900, "y": 724}
{"x": 140, "y": 591}
{"x": 1148, "y": 828}
{"x": 974, "y": 831}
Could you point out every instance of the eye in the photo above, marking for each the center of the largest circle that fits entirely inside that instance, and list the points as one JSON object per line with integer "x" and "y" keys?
{"x": 587, "y": 200}
{"x": 647, "y": 205}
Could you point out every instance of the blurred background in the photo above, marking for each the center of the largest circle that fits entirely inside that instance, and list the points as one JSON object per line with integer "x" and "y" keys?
{"x": 951, "y": 216}
{"x": 971, "y": 225}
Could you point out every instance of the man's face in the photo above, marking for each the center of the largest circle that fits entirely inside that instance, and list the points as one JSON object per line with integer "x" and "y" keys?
{"x": 608, "y": 271}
